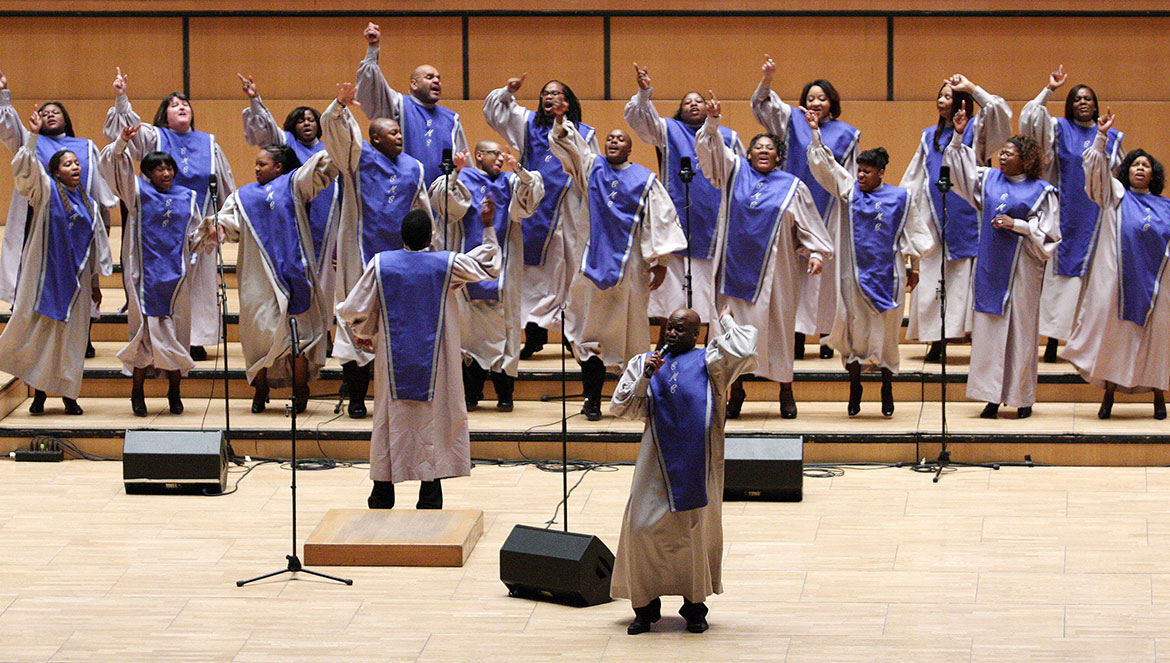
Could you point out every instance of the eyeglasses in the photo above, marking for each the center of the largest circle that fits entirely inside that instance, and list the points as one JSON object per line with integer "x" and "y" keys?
{"x": 552, "y": 93}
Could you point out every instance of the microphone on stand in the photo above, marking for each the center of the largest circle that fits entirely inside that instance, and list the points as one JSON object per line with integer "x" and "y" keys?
{"x": 296, "y": 336}
{"x": 447, "y": 165}
{"x": 685, "y": 172}
{"x": 944, "y": 183}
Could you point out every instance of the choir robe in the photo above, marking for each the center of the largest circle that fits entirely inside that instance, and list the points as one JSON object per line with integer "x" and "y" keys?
{"x": 490, "y": 311}
{"x": 419, "y": 439}
{"x": 13, "y": 135}
{"x": 817, "y": 306}
{"x": 986, "y": 134}
{"x": 159, "y": 235}
{"x": 426, "y": 132}
{"x": 612, "y": 320}
{"x": 797, "y": 229}
{"x": 674, "y": 140}
{"x": 261, "y": 130}
{"x": 551, "y": 258}
{"x": 344, "y": 143}
{"x": 204, "y": 281}
{"x": 277, "y": 279}
{"x": 665, "y": 549}
{"x": 1004, "y": 337}
{"x": 1063, "y": 142}
{"x": 881, "y": 228}
{"x": 47, "y": 350}
{"x": 1106, "y": 345}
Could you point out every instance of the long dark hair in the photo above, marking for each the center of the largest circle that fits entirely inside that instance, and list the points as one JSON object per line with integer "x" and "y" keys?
{"x": 543, "y": 119}
{"x": 959, "y": 100}
{"x": 65, "y": 114}
{"x": 830, "y": 92}
{"x": 297, "y": 114}
{"x": 54, "y": 164}
{"x": 1071, "y": 98}
{"x": 160, "y": 115}
{"x": 1157, "y": 178}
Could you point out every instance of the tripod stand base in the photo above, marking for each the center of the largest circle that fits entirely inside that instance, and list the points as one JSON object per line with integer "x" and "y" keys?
{"x": 394, "y": 537}
{"x": 294, "y": 566}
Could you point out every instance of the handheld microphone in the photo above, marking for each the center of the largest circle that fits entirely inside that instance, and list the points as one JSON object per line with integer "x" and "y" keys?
{"x": 685, "y": 172}
{"x": 944, "y": 183}
{"x": 212, "y": 184}
{"x": 447, "y": 165}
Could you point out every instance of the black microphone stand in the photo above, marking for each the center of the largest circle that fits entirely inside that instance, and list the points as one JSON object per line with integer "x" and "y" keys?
{"x": 294, "y": 562}
{"x": 564, "y": 431}
{"x": 447, "y": 166}
{"x": 686, "y": 175}
{"x": 944, "y": 186}
{"x": 221, "y": 296}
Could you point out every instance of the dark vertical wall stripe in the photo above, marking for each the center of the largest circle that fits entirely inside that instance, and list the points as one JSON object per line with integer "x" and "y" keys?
{"x": 605, "y": 30}
{"x": 187, "y": 55}
{"x": 466, "y": 57}
{"x": 890, "y": 57}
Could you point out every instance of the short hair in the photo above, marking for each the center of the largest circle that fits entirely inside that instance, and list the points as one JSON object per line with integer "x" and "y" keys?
{"x": 155, "y": 159}
{"x": 1030, "y": 154}
{"x": 1071, "y": 98}
{"x": 160, "y": 115}
{"x": 55, "y": 161}
{"x": 416, "y": 230}
{"x": 830, "y": 92}
{"x": 283, "y": 155}
{"x": 65, "y": 114}
{"x": 877, "y": 157}
{"x": 781, "y": 146}
{"x": 543, "y": 119}
{"x": 295, "y": 116}
{"x": 678, "y": 113}
{"x": 1157, "y": 178}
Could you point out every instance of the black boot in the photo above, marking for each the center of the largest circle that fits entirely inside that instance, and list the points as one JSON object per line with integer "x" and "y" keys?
{"x": 934, "y": 352}
{"x": 854, "y": 369}
{"x": 644, "y": 617}
{"x": 990, "y": 411}
{"x": 798, "y": 349}
{"x": 430, "y": 495}
{"x": 1106, "y": 409}
{"x": 535, "y": 337}
{"x": 174, "y": 397}
{"x": 695, "y": 614}
{"x": 38, "y": 402}
{"x": 382, "y": 496}
{"x": 737, "y": 396}
{"x": 1050, "y": 351}
{"x": 887, "y": 393}
{"x": 357, "y": 380}
{"x": 787, "y": 401}
{"x": 1024, "y": 412}
{"x": 826, "y": 352}
{"x": 592, "y": 379}
{"x": 71, "y": 406}
{"x": 198, "y": 352}
{"x": 1159, "y": 404}
{"x": 503, "y": 384}
{"x": 473, "y": 379}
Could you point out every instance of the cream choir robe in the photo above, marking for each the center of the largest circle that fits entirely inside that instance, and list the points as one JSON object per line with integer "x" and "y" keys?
{"x": 860, "y": 332}
{"x": 676, "y": 553}
{"x": 546, "y": 286}
{"x": 989, "y": 129}
{"x": 817, "y": 304}
{"x": 261, "y": 130}
{"x": 204, "y": 280}
{"x": 1003, "y": 347}
{"x": 161, "y": 342}
{"x": 1103, "y": 346}
{"x": 652, "y": 128}
{"x": 420, "y": 440}
{"x": 491, "y": 328}
{"x": 613, "y": 324}
{"x": 343, "y": 141}
{"x": 49, "y": 354}
{"x": 12, "y": 135}
{"x": 801, "y": 232}
{"x": 265, "y": 336}
{"x": 1061, "y": 297}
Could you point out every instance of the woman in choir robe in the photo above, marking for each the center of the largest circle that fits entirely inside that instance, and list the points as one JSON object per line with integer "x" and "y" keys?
{"x": 1019, "y": 228}
{"x": 1062, "y": 141}
{"x": 770, "y": 234}
{"x": 67, "y": 251}
{"x": 674, "y": 138}
{"x": 883, "y": 225}
{"x": 159, "y": 235}
{"x": 985, "y": 133}
{"x": 302, "y": 132}
{"x": 1120, "y": 338}
{"x": 278, "y": 282}
{"x": 550, "y": 256}
{"x": 201, "y": 162}
{"x": 817, "y": 304}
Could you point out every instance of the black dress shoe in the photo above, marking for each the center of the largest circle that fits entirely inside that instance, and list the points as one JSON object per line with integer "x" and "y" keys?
{"x": 71, "y": 406}
{"x": 854, "y": 407}
{"x": 1024, "y": 412}
{"x": 735, "y": 402}
{"x": 259, "y": 401}
{"x": 138, "y": 405}
{"x": 300, "y": 399}
{"x": 934, "y": 353}
{"x": 198, "y": 352}
{"x": 798, "y": 348}
{"x": 505, "y": 406}
{"x": 175, "y": 402}
{"x": 356, "y": 409}
{"x": 826, "y": 352}
{"x": 990, "y": 411}
{"x": 592, "y": 410}
{"x": 38, "y": 402}
{"x": 90, "y": 352}
{"x": 787, "y": 404}
{"x": 1159, "y": 408}
{"x": 1050, "y": 351}
{"x": 887, "y": 400}
{"x": 644, "y": 617}
{"x": 1106, "y": 409}
{"x": 696, "y": 616}
{"x": 382, "y": 496}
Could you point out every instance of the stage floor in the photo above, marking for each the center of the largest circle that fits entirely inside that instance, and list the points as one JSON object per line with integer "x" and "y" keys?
{"x": 1019, "y": 564}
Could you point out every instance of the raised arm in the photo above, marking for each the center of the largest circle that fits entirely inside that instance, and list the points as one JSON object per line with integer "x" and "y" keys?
{"x": 965, "y": 170}
{"x": 260, "y": 128}
{"x": 572, "y": 150}
{"x": 313, "y": 177}
{"x": 828, "y": 173}
{"x": 527, "y": 191}
{"x": 456, "y": 198}
{"x": 340, "y": 132}
{"x": 122, "y": 115}
{"x": 484, "y": 261}
{"x": 640, "y": 113}
{"x": 1038, "y": 124}
{"x": 32, "y": 181}
{"x": 117, "y": 168}
{"x": 12, "y": 131}
{"x": 733, "y": 353}
{"x": 505, "y": 116}
{"x": 715, "y": 158}
{"x": 992, "y": 125}
{"x": 767, "y": 107}
{"x": 1100, "y": 185}
{"x": 375, "y": 95}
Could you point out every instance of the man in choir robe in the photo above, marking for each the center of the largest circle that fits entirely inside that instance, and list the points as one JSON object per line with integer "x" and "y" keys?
{"x": 427, "y": 127}
{"x": 380, "y": 184}
{"x": 491, "y": 311}
{"x": 404, "y": 310}
{"x": 672, "y": 530}
{"x": 633, "y": 228}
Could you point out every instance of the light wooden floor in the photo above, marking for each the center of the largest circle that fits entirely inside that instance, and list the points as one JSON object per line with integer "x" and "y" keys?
{"x": 1019, "y": 564}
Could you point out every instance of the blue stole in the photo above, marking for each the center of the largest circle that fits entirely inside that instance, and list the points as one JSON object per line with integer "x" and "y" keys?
{"x": 321, "y": 209}
{"x": 387, "y": 189}
{"x": 163, "y": 219}
{"x": 67, "y": 241}
{"x": 426, "y": 132}
{"x": 413, "y": 286}
{"x": 680, "y": 142}
{"x": 836, "y": 135}
{"x": 962, "y": 219}
{"x": 680, "y": 423}
{"x": 47, "y": 146}
{"x": 537, "y": 228}
{"x": 755, "y": 206}
{"x": 999, "y": 248}
{"x": 194, "y": 153}
{"x": 1143, "y": 232}
{"x": 500, "y": 190}
{"x": 1079, "y": 216}
{"x": 876, "y": 221}
{"x": 270, "y": 212}
{"x": 616, "y": 199}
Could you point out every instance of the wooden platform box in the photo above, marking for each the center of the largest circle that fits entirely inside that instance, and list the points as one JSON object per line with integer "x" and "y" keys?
{"x": 394, "y": 537}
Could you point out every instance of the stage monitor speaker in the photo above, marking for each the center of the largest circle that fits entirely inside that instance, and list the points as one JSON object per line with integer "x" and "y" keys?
{"x": 156, "y": 461}
{"x": 763, "y": 468}
{"x": 574, "y": 569}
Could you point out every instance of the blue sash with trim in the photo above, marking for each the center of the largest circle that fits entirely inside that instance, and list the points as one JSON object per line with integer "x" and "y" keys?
{"x": 426, "y": 132}
{"x": 999, "y": 248}
{"x": 538, "y": 228}
{"x": 756, "y": 206}
{"x": 962, "y": 219}
{"x": 1080, "y": 217}
{"x": 66, "y": 241}
{"x": 680, "y": 422}
{"x": 162, "y": 238}
{"x": 705, "y": 197}
{"x": 323, "y": 208}
{"x": 876, "y": 221}
{"x": 194, "y": 153}
{"x": 413, "y": 287}
{"x": 1143, "y": 224}
{"x": 840, "y": 137}
{"x": 270, "y": 211}
{"x": 500, "y": 190}
{"x": 616, "y": 203}
{"x": 387, "y": 189}
{"x": 47, "y": 146}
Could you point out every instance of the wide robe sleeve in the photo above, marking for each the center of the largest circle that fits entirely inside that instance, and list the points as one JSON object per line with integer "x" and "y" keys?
{"x": 313, "y": 177}
{"x": 629, "y": 399}
{"x": 506, "y": 117}
{"x": 12, "y": 131}
{"x": 732, "y": 354}
{"x": 375, "y": 95}
{"x": 772, "y": 113}
{"x": 362, "y": 308}
{"x": 1100, "y": 185}
{"x": 1039, "y": 125}
{"x": 662, "y": 233}
{"x": 992, "y": 124}
{"x": 644, "y": 120}
{"x": 715, "y": 158}
{"x": 576, "y": 158}
{"x": 260, "y": 128}
{"x": 342, "y": 138}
